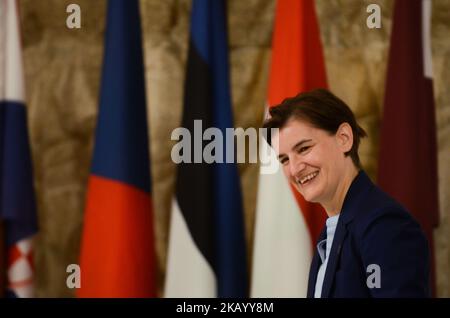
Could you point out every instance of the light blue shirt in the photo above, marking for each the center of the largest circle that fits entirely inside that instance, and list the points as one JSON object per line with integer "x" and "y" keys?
{"x": 324, "y": 248}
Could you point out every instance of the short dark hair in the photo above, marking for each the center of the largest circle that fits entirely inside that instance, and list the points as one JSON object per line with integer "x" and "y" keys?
{"x": 321, "y": 109}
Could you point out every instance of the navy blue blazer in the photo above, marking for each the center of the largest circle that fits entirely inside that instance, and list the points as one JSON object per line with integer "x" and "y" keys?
{"x": 374, "y": 229}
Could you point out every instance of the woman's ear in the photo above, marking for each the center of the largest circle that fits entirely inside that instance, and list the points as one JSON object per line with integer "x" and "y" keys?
{"x": 344, "y": 136}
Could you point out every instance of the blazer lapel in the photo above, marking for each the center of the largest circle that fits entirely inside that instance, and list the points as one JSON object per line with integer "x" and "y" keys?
{"x": 339, "y": 236}
{"x": 360, "y": 185}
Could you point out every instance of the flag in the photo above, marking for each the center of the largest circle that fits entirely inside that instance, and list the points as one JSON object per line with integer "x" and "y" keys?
{"x": 286, "y": 225}
{"x": 117, "y": 252}
{"x": 2, "y": 260}
{"x": 17, "y": 198}
{"x": 408, "y": 154}
{"x": 207, "y": 256}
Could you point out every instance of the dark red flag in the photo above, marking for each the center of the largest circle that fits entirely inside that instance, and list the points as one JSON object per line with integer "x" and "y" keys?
{"x": 408, "y": 156}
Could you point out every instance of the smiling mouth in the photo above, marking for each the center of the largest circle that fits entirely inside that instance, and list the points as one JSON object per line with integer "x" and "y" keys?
{"x": 306, "y": 179}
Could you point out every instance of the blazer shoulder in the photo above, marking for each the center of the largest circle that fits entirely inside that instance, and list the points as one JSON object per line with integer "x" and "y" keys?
{"x": 379, "y": 207}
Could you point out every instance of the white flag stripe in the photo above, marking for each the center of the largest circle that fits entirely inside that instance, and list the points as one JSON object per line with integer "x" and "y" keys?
{"x": 188, "y": 273}
{"x": 12, "y": 65}
{"x": 282, "y": 247}
{"x": 426, "y": 38}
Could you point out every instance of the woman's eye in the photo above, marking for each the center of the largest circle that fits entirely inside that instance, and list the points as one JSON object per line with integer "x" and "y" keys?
{"x": 303, "y": 149}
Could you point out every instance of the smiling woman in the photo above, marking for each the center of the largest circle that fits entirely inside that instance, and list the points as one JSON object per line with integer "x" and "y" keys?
{"x": 62, "y": 68}
{"x": 317, "y": 146}
{"x": 322, "y": 164}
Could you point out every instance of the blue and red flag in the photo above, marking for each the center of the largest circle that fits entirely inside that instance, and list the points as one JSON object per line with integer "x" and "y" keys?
{"x": 117, "y": 252}
{"x": 17, "y": 198}
{"x": 207, "y": 252}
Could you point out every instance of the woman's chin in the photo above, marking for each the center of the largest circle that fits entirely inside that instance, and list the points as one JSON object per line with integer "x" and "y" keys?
{"x": 311, "y": 195}
{"x": 307, "y": 196}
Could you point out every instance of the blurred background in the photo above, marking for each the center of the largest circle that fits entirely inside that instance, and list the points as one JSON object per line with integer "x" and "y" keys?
{"x": 62, "y": 77}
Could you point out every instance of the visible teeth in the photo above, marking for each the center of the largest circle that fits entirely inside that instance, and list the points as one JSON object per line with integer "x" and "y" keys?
{"x": 308, "y": 177}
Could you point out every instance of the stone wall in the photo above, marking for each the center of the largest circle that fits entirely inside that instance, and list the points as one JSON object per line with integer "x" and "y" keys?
{"x": 63, "y": 73}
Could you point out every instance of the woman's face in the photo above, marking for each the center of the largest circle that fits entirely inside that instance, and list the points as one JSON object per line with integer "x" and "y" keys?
{"x": 312, "y": 159}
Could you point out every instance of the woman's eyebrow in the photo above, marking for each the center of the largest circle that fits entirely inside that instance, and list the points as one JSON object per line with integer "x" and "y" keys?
{"x": 300, "y": 143}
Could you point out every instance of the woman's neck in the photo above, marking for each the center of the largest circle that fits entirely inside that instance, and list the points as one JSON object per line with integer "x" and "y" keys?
{"x": 334, "y": 207}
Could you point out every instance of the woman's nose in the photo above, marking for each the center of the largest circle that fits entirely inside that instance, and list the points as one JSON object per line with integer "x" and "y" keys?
{"x": 296, "y": 165}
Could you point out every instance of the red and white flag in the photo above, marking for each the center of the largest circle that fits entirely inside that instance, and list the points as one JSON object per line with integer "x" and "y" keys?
{"x": 286, "y": 225}
{"x": 17, "y": 197}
